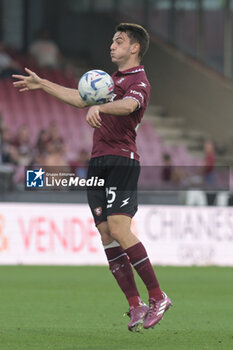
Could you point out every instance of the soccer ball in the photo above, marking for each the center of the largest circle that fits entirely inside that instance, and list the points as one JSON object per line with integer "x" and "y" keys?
{"x": 96, "y": 87}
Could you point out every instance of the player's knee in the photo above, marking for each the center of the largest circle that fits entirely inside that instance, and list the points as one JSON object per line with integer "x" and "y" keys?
{"x": 116, "y": 231}
{"x": 119, "y": 226}
{"x": 115, "y": 234}
{"x": 105, "y": 233}
{"x": 106, "y": 238}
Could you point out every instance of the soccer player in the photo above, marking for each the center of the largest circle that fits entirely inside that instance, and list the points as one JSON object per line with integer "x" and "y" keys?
{"x": 114, "y": 151}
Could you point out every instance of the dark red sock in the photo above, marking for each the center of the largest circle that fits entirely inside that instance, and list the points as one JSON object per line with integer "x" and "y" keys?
{"x": 122, "y": 271}
{"x": 140, "y": 261}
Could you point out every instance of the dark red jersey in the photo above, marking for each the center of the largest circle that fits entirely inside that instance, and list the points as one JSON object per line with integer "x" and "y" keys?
{"x": 117, "y": 134}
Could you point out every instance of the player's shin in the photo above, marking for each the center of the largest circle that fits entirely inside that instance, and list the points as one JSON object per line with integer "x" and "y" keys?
{"x": 122, "y": 271}
{"x": 140, "y": 261}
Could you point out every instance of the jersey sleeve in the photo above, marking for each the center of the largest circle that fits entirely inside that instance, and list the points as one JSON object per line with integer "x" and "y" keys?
{"x": 140, "y": 92}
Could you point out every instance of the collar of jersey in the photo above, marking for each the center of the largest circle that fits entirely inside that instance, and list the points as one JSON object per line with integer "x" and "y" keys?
{"x": 131, "y": 70}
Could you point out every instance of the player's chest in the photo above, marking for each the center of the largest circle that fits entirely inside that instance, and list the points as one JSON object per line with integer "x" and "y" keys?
{"x": 120, "y": 88}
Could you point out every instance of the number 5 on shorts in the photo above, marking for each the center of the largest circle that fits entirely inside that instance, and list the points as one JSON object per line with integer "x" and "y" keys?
{"x": 110, "y": 191}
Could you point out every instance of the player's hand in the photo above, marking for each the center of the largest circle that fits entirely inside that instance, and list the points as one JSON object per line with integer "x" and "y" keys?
{"x": 25, "y": 83}
{"x": 93, "y": 117}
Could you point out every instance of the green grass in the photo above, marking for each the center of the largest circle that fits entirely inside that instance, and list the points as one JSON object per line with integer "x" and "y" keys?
{"x": 81, "y": 308}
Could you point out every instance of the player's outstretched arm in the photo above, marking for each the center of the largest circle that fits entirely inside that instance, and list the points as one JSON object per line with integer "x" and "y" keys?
{"x": 33, "y": 82}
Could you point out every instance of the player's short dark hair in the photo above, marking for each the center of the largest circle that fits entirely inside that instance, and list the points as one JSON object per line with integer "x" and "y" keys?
{"x": 136, "y": 33}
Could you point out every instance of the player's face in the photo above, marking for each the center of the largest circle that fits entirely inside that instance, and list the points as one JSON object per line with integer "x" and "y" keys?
{"x": 121, "y": 48}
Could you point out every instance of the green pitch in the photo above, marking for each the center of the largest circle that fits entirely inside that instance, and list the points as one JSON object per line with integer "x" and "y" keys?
{"x": 81, "y": 308}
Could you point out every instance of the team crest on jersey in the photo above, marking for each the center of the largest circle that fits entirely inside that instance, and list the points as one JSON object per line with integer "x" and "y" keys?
{"x": 120, "y": 80}
{"x": 98, "y": 211}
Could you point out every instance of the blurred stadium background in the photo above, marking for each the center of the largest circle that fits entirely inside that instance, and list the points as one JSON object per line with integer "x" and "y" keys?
{"x": 187, "y": 126}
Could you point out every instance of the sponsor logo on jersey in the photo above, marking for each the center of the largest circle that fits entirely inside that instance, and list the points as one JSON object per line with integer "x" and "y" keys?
{"x": 137, "y": 93}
